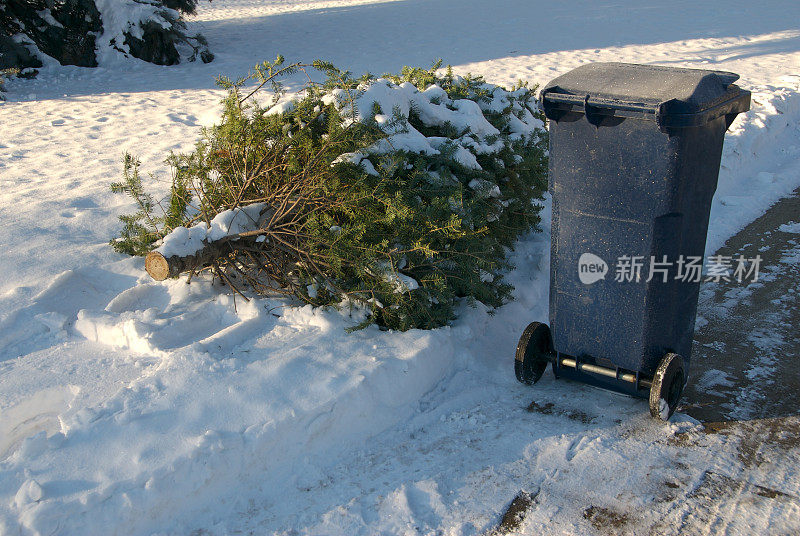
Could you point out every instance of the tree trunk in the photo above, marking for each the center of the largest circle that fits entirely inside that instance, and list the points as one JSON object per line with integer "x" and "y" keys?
{"x": 160, "y": 267}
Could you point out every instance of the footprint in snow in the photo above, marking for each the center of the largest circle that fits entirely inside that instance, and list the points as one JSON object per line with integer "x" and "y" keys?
{"x": 31, "y": 422}
{"x": 186, "y": 119}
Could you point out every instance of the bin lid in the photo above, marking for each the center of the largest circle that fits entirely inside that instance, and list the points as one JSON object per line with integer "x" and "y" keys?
{"x": 672, "y": 96}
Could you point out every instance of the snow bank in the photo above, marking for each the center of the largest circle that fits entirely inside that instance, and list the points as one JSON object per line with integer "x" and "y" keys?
{"x": 236, "y": 397}
{"x": 767, "y": 133}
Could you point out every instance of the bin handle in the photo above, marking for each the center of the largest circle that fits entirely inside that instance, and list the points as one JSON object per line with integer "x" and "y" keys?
{"x": 565, "y": 98}
{"x": 550, "y": 97}
{"x": 592, "y": 113}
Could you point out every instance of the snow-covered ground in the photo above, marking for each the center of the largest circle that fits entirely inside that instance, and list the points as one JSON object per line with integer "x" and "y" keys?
{"x": 134, "y": 407}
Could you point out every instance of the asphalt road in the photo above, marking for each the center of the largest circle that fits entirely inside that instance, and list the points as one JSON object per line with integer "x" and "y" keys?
{"x": 746, "y": 357}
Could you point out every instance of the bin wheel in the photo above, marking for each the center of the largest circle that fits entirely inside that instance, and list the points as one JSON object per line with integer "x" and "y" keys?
{"x": 667, "y": 387}
{"x": 534, "y": 351}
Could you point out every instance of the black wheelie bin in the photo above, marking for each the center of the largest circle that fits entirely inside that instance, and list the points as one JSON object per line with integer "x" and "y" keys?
{"x": 634, "y": 158}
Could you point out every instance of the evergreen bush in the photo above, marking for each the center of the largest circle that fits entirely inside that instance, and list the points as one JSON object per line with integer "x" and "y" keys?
{"x": 402, "y": 193}
{"x": 72, "y": 31}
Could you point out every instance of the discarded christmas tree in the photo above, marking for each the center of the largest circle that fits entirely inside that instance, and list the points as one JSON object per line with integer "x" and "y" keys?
{"x": 401, "y": 193}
